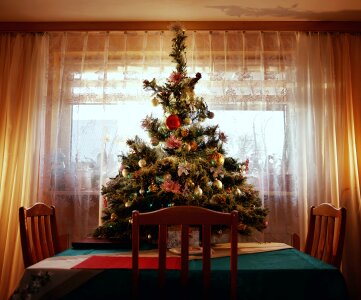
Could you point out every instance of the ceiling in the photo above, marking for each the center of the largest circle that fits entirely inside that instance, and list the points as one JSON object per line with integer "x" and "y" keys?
{"x": 176, "y": 10}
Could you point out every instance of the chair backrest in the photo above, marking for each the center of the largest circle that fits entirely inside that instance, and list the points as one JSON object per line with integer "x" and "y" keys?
{"x": 38, "y": 233}
{"x": 326, "y": 233}
{"x": 185, "y": 216}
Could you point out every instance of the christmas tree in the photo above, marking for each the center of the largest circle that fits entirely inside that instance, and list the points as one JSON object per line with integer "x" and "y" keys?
{"x": 184, "y": 164}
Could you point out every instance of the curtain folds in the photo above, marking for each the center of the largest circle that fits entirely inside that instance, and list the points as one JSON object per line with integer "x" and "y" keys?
{"x": 289, "y": 102}
{"x": 327, "y": 122}
{"x": 23, "y": 64}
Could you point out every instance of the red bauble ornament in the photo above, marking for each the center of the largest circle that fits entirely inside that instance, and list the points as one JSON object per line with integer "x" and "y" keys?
{"x": 173, "y": 122}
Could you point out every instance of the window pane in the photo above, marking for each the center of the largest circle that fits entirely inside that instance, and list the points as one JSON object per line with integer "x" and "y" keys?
{"x": 100, "y": 132}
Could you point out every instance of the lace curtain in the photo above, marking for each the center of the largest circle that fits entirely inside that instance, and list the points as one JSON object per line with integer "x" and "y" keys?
{"x": 97, "y": 103}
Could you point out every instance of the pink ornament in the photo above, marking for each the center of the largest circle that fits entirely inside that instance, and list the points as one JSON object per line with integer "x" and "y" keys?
{"x": 173, "y": 143}
{"x": 171, "y": 186}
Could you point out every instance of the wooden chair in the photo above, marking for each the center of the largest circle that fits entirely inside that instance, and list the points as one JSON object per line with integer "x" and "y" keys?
{"x": 326, "y": 233}
{"x": 38, "y": 233}
{"x": 185, "y": 216}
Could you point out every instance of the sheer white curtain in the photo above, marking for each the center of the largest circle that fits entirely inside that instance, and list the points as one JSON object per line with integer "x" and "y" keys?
{"x": 96, "y": 102}
{"x": 23, "y": 84}
{"x": 327, "y": 126}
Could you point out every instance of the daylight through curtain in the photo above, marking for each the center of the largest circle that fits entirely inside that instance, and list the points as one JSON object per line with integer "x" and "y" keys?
{"x": 327, "y": 126}
{"x": 96, "y": 102}
{"x": 22, "y": 94}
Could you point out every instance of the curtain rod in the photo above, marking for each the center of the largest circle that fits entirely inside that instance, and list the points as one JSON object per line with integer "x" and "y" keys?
{"x": 318, "y": 26}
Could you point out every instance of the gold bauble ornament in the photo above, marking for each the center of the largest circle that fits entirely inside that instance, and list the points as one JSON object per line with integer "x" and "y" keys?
{"x": 238, "y": 192}
{"x": 125, "y": 172}
{"x": 128, "y": 203}
{"x": 113, "y": 217}
{"x": 193, "y": 145}
{"x": 220, "y": 159}
{"x": 141, "y": 191}
{"x": 155, "y": 101}
{"x": 167, "y": 177}
{"x": 218, "y": 184}
{"x": 187, "y": 121}
{"x": 187, "y": 147}
{"x": 154, "y": 141}
{"x": 198, "y": 191}
{"x": 217, "y": 159}
{"x": 184, "y": 132}
{"x": 142, "y": 163}
{"x": 152, "y": 188}
{"x": 190, "y": 182}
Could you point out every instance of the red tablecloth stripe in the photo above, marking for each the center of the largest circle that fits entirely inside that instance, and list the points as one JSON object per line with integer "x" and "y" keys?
{"x": 125, "y": 262}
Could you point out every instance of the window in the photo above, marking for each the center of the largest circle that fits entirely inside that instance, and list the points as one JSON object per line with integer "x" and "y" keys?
{"x": 100, "y": 132}
{"x": 97, "y": 102}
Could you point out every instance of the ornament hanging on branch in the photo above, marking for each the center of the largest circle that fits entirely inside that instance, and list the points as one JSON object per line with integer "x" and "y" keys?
{"x": 198, "y": 191}
{"x": 187, "y": 121}
{"x": 125, "y": 172}
{"x": 218, "y": 184}
{"x": 173, "y": 122}
{"x": 113, "y": 217}
{"x": 142, "y": 163}
{"x": 217, "y": 159}
{"x": 193, "y": 145}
